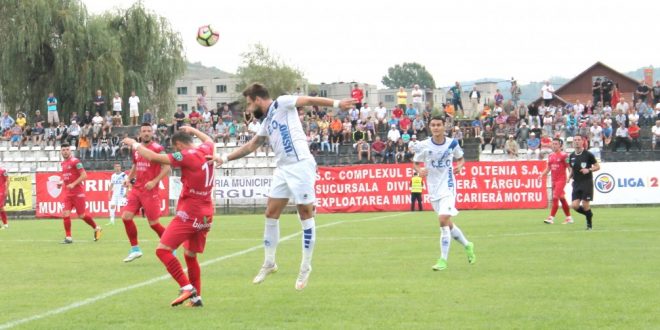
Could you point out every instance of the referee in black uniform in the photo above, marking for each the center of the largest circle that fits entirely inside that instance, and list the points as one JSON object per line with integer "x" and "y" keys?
{"x": 583, "y": 164}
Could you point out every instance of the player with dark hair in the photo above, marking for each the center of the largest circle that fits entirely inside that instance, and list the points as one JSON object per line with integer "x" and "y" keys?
{"x": 194, "y": 210}
{"x": 144, "y": 191}
{"x": 557, "y": 167}
{"x": 73, "y": 175}
{"x": 582, "y": 165}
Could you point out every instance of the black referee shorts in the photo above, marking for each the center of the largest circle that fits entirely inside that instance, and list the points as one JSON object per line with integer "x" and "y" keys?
{"x": 583, "y": 191}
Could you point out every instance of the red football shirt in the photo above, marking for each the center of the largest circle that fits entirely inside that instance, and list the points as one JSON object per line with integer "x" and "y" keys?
{"x": 71, "y": 170}
{"x": 145, "y": 170}
{"x": 3, "y": 181}
{"x": 196, "y": 176}
{"x": 557, "y": 161}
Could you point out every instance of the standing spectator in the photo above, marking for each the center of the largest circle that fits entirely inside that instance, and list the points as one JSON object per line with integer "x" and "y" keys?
{"x": 533, "y": 144}
{"x": 655, "y": 130}
{"x": 475, "y": 99}
{"x": 357, "y": 94}
{"x": 378, "y": 150}
{"x": 616, "y": 96}
{"x": 416, "y": 188}
{"x": 642, "y": 91}
{"x": 606, "y": 91}
{"x": 597, "y": 91}
{"x": 511, "y": 147}
{"x": 99, "y": 102}
{"x": 51, "y": 103}
{"x": 401, "y": 98}
{"x": 133, "y": 106}
{"x": 116, "y": 104}
{"x": 417, "y": 98}
{"x": 547, "y": 92}
{"x": 456, "y": 98}
{"x": 515, "y": 93}
{"x": 201, "y": 101}
{"x": 499, "y": 98}
{"x": 656, "y": 93}
{"x": 179, "y": 117}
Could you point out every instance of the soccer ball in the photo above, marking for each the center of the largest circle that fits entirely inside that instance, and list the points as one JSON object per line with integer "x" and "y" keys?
{"x": 207, "y": 36}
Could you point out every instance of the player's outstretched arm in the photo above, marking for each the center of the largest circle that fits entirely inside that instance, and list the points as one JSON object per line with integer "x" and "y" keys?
{"x": 146, "y": 153}
{"x": 419, "y": 169}
{"x": 344, "y": 104}
{"x": 201, "y": 136}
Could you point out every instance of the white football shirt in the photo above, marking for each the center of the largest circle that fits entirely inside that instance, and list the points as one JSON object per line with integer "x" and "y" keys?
{"x": 438, "y": 158}
{"x": 117, "y": 182}
{"x": 283, "y": 128}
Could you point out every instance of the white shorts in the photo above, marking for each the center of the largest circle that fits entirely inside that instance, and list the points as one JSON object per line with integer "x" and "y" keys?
{"x": 134, "y": 113}
{"x": 118, "y": 201}
{"x": 445, "y": 206}
{"x": 295, "y": 181}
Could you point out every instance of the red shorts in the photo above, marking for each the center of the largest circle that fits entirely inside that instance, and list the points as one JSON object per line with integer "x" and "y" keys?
{"x": 558, "y": 188}
{"x": 3, "y": 198}
{"x": 189, "y": 227}
{"x": 149, "y": 200}
{"x": 76, "y": 201}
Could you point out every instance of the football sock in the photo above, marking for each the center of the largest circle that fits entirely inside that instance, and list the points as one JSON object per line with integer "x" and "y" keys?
{"x": 158, "y": 228}
{"x": 309, "y": 238}
{"x": 112, "y": 216}
{"x": 271, "y": 238}
{"x": 445, "y": 240}
{"x": 564, "y": 206}
{"x": 457, "y": 234}
{"x": 67, "y": 226}
{"x": 555, "y": 206}
{"x": 194, "y": 273}
{"x": 131, "y": 231}
{"x": 3, "y": 215}
{"x": 88, "y": 220}
{"x": 589, "y": 215}
{"x": 581, "y": 210}
{"x": 173, "y": 266}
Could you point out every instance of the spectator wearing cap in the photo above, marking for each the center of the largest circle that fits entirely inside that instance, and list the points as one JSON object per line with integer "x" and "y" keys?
{"x": 533, "y": 146}
{"x": 511, "y": 147}
{"x": 393, "y": 135}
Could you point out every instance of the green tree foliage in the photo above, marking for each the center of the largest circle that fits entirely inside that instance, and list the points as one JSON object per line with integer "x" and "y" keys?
{"x": 407, "y": 75}
{"x": 55, "y": 45}
{"x": 260, "y": 66}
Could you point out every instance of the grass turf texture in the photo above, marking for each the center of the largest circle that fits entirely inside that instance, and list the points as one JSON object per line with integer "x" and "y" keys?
{"x": 370, "y": 271}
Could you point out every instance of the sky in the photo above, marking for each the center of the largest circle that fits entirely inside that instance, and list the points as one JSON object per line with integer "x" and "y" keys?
{"x": 341, "y": 40}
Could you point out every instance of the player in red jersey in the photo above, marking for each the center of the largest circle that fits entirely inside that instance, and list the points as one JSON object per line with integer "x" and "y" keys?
{"x": 73, "y": 175}
{"x": 194, "y": 211}
{"x": 4, "y": 188}
{"x": 144, "y": 191}
{"x": 557, "y": 166}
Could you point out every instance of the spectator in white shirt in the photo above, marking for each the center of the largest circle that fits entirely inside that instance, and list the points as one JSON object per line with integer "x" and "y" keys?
{"x": 133, "y": 102}
{"x": 381, "y": 117}
{"x": 116, "y": 104}
{"x": 596, "y": 133}
{"x": 365, "y": 112}
{"x": 393, "y": 135}
{"x": 417, "y": 98}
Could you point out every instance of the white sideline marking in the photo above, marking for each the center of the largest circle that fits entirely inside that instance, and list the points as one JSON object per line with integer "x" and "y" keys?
{"x": 115, "y": 292}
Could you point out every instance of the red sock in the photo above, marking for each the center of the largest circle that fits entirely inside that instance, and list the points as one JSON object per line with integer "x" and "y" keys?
{"x": 158, "y": 228}
{"x": 173, "y": 266}
{"x": 565, "y": 207}
{"x": 3, "y": 215}
{"x": 88, "y": 219}
{"x": 555, "y": 206}
{"x": 194, "y": 273}
{"x": 131, "y": 231}
{"x": 67, "y": 226}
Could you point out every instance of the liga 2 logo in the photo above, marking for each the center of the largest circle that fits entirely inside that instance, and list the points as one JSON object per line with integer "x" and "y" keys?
{"x": 605, "y": 182}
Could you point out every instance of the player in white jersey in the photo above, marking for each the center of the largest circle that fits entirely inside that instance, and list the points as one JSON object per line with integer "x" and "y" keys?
{"x": 438, "y": 153}
{"x": 117, "y": 191}
{"x": 295, "y": 174}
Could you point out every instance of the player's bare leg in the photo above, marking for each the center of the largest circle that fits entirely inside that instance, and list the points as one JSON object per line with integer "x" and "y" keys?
{"x": 306, "y": 214}
{"x": 274, "y": 209}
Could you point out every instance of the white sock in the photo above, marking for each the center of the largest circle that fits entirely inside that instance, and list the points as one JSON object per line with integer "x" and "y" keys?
{"x": 187, "y": 287}
{"x": 445, "y": 241}
{"x": 457, "y": 234}
{"x": 271, "y": 238}
{"x": 308, "y": 240}
{"x": 112, "y": 216}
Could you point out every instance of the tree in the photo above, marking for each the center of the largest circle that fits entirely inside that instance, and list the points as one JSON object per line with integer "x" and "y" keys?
{"x": 260, "y": 66}
{"x": 407, "y": 75}
{"x": 54, "y": 45}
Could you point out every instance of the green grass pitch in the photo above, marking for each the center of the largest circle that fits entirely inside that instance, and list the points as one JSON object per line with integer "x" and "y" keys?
{"x": 371, "y": 271}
